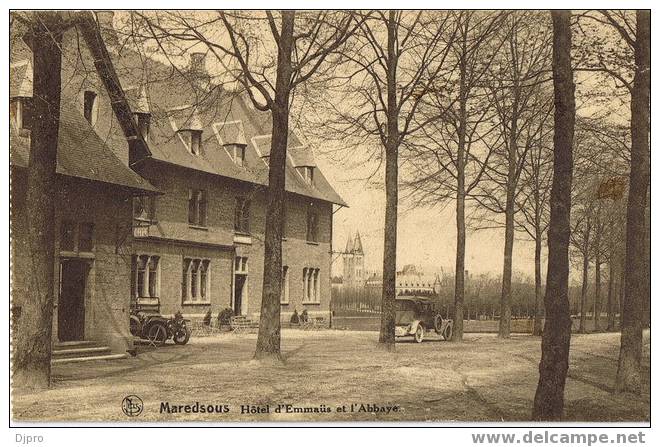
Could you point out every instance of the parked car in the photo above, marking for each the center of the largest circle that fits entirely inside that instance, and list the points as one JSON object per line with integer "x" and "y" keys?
{"x": 415, "y": 316}
{"x": 158, "y": 329}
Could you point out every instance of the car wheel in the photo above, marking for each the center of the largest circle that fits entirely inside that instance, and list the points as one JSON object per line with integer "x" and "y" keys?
{"x": 419, "y": 333}
{"x": 447, "y": 333}
{"x": 438, "y": 324}
{"x": 181, "y": 336}
{"x": 157, "y": 334}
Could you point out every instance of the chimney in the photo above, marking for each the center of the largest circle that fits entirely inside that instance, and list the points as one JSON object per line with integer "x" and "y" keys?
{"x": 198, "y": 63}
{"x": 201, "y": 77}
{"x": 105, "y": 20}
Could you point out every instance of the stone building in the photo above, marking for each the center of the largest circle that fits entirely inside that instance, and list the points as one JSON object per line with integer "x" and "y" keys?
{"x": 199, "y": 246}
{"x": 353, "y": 259}
{"x": 176, "y": 222}
{"x": 410, "y": 281}
{"x": 93, "y": 202}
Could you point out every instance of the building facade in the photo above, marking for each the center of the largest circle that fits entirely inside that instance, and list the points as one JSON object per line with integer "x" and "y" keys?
{"x": 93, "y": 203}
{"x": 177, "y": 223}
{"x": 199, "y": 246}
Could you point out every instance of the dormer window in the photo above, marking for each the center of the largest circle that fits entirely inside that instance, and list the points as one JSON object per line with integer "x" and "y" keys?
{"x": 89, "y": 106}
{"x": 237, "y": 153}
{"x": 196, "y": 142}
{"x": 144, "y": 208}
{"x": 142, "y": 121}
{"x": 193, "y": 140}
{"x": 20, "y": 109}
{"x": 307, "y": 173}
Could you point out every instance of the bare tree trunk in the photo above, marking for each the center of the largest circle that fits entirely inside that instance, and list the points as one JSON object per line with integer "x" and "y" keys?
{"x": 459, "y": 277}
{"x": 585, "y": 281}
{"x": 387, "y": 322}
{"x": 537, "y": 328}
{"x": 505, "y": 300}
{"x": 597, "y": 242}
{"x": 629, "y": 371}
{"x": 32, "y": 340}
{"x": 597, "y": 294}
{"x": 268, "y": 339}
{"x": 622, "y": 294}
{"x": 549, "y": 398}
{"x": 610, "y": 298}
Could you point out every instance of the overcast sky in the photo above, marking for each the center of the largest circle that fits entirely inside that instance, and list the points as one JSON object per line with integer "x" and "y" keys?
{"x": 426, "y": 237}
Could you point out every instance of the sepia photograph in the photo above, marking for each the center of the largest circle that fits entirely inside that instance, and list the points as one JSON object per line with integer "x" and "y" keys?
{"x": 331, "y": 216}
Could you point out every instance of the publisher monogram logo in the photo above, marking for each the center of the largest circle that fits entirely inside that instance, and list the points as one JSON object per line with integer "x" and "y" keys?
{"x": 132, "y": 405}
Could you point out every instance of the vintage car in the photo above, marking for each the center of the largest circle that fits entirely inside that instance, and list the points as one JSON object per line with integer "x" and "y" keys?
{"x": 416, "y": 315}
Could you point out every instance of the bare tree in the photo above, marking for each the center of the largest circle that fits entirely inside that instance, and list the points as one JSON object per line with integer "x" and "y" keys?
{"x": 456, "y": 142}
{"x": 637, "y": 286}
{"x": 516, "y": 92}
{"x": 275, "y": 54}
{"x": 392, "y": 67}
{"x": 582, "y": 229}
{"x": 553, "y": 368}
{"x": 627, "y": 63}
{"x": 32, "y": 340}
{"x": 533, "y": 204}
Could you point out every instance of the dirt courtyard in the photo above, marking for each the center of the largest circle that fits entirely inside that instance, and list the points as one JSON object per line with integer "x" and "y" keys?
{"x": 482, "y": 379}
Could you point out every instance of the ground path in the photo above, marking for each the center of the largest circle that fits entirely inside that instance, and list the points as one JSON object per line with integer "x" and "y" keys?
{"x": 482, "y": 379}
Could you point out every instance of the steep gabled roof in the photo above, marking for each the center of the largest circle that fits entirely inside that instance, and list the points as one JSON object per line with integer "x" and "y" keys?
{"x": 80, "y": 153}
{"x": 225, "y": 118}
{"x": 349, "y": 245}
{"x": 357, "y": 244}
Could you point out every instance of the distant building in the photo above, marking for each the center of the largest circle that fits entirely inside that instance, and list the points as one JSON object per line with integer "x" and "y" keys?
{"x": 409, "y": 281}
{"x": 337, "y": 282}
{"x": 353, "y": 257}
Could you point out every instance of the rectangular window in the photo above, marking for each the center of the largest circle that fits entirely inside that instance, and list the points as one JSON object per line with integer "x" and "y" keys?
{"x": 195, "y": 283}
{"x": 196, "y": 142}
{"x": 185, "y": 282}
{"x": 16, "y": 111}
{"x": 90, "y": 106}
{"x": 240, "y": 264}
{"x": 197, "y": 203}
{"x": 284, "y": 296}
{"x": 312, "y": 224}
{"x": 141, "y": 269}
{"x": 304, "y": 284}
{"x": 236, "y": 153}
{"x": 317, "y": 284}
{"x": 192, "y": 207}
{"x": 147, "y": 276}
{"x": 201, "y": 206}
{"x": 21, "y": 110}
{"x": 153, "y": 276}
{"x": 203, "y": 278}
{"x": 242, "y": 216}
{"x": 86, "y": 237}
{"x": 67, "y": 235}
{"x": 309, "y": 174}
{"x": 194, "y": 279}
{"x": 311, "y": 285}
